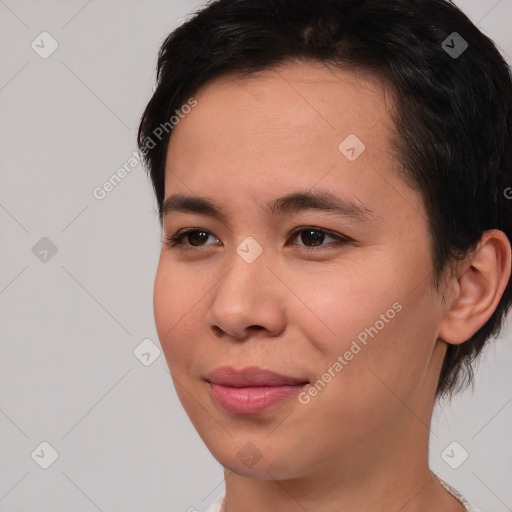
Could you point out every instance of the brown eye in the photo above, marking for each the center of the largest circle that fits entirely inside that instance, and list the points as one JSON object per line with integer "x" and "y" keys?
{"x": 311, "y": 237}
{"x": 194, "y": 237}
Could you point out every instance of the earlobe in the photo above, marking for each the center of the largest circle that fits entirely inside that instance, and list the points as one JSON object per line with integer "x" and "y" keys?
{"x": 477, "y": 288}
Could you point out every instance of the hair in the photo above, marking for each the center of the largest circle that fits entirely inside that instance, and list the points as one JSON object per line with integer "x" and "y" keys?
{"x": 452, "y": 113}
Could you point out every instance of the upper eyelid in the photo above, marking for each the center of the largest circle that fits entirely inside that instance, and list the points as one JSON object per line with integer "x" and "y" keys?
{"x": 326, "y": 231}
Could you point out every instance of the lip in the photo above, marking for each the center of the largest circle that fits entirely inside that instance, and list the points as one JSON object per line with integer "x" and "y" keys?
{"x": 250, "y": 390}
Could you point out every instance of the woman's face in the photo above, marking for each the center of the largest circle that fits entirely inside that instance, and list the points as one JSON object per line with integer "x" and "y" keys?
{"x": 338, "y": 301}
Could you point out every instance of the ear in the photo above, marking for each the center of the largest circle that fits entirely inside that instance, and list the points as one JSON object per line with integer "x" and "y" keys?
{"x": 476, "y": 288}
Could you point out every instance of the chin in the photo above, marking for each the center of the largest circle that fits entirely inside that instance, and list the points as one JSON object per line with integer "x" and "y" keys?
{"x": 255, "y": 459}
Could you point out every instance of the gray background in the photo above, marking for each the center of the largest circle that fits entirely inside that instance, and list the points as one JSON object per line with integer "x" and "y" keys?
{"x": 71, "y": 321}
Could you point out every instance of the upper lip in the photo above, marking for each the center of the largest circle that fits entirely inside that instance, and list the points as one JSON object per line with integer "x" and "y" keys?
{"x": 250, "y": 376}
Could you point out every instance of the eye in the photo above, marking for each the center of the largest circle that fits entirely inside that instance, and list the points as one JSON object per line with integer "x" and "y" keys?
{"x": 196, "y": 237}
{"x": 312, "y": 237}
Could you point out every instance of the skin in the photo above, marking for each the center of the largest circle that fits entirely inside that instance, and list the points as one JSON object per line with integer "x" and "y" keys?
{"x": 362, "y": 442}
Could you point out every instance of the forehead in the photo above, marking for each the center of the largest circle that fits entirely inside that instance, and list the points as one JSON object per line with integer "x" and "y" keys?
{"x": 304, "y": 99}
{"x": 298, "y": 125}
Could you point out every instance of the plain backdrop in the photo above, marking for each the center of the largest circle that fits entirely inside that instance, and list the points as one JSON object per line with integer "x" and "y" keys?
{"x": 76, "y": 279}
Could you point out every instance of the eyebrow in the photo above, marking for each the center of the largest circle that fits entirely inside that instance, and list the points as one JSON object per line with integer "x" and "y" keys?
{"x": 296, "y": 202}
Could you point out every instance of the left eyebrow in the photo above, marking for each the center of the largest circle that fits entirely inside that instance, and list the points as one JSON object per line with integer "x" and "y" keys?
{"x": 320, "y": 200}
{"x": 296, "y": 202}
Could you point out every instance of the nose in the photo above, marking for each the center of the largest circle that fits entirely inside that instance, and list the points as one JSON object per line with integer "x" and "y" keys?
{"x": 248, "y": 301}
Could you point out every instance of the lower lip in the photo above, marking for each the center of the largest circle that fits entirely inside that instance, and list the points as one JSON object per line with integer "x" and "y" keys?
{"x": 251, "y": 400}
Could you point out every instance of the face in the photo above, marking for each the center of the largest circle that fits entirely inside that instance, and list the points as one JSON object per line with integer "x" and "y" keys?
{"x": 317, "y": 269}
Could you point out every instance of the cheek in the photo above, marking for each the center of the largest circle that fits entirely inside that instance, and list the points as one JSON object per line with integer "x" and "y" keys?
{"x": 382, "y": 317}
{"x": 175, "y": 302}
{"x": 341, "y": 303}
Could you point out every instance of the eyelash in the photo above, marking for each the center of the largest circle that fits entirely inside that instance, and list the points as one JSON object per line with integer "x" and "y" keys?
{"x": 177, "y": 239}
